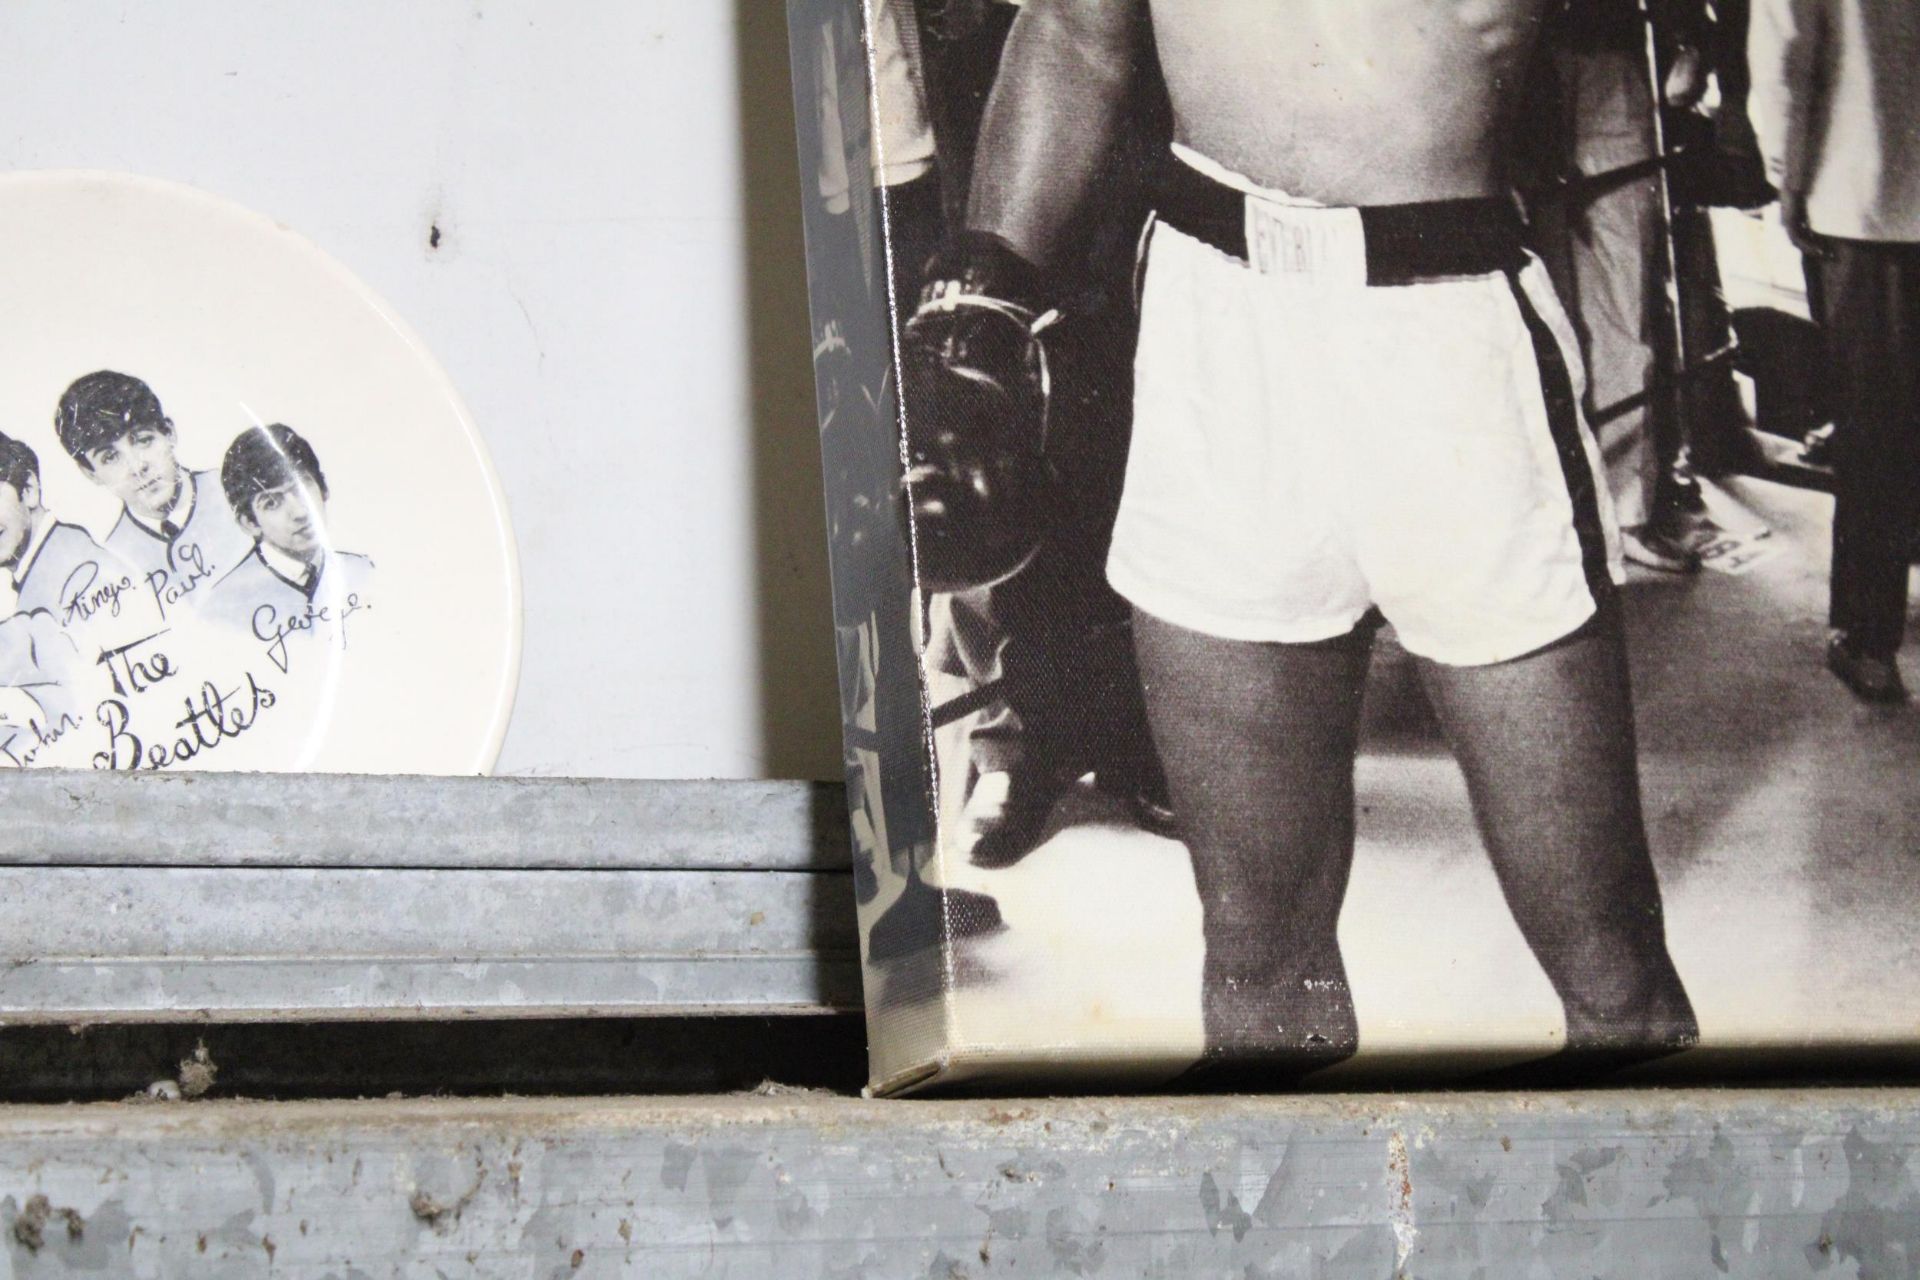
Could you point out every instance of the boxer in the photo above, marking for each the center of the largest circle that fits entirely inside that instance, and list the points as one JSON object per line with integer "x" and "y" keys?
{"x": 1356, "y": 396}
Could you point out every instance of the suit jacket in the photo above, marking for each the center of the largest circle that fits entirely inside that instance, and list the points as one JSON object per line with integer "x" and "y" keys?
{"x": 257, "y": 600}
{"x": 208, "y": 546}
{"x": 37, "y": 655}
{"x": 67, "y": 564}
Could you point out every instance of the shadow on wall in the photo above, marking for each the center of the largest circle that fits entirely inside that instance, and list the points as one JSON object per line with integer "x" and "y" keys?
{"x": 799, "y": 699}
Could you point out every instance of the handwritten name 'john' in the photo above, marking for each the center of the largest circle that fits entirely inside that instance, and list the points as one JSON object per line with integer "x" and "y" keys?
{"x": 22, "y": 753}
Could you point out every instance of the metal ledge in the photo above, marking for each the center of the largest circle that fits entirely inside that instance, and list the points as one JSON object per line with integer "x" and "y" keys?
{"x": 1682, "y": 1183}
{"x": 68, "y": 818}
{"x": 260, "y": 896}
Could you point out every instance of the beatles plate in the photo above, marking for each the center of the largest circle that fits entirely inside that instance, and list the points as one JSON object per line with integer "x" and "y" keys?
{"x": 245, "y": 521}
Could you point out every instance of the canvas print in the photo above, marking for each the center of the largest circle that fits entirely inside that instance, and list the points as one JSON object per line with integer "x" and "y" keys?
{"x": 1369, "y": 537}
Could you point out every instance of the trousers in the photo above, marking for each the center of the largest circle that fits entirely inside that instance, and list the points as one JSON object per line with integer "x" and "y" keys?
{"x": 1866, "y": 298}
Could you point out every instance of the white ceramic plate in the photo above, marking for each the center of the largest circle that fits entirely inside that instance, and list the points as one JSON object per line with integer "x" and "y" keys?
{"x": 123, "y": 646}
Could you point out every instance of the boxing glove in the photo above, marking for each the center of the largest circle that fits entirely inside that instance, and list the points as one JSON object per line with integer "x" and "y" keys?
{"x": 979, "y": 485}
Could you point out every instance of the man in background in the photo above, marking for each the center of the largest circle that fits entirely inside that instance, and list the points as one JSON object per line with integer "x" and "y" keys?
{"x": 1052, "y": 640}
{"x": 847, "y": 69}
{"x": 1836, "y": 104}
{"x": 1603, "y": 239}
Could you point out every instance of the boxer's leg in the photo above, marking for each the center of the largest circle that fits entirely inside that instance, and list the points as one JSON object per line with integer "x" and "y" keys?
{"x": 1258, "y": 742}
{"x": 1547, "y": 745}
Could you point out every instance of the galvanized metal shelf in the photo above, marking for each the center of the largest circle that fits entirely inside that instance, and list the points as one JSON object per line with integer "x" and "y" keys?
{"x": 1656, "y": 1184}
{"x": 247, "y": 896}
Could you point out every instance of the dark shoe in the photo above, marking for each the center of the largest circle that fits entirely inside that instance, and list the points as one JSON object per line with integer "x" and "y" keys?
{"x": 1007, "y": 813}
{"x": 1138, "y": 782}
{"x": 1655, "y": 548}
{"x": 1871, "y": 679}
{"x": 1152, "y": 806}
{"x": 1154, "y": 812}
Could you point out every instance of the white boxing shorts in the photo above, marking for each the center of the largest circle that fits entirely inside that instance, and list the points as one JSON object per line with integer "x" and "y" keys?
{"x": 1342, "y": 409}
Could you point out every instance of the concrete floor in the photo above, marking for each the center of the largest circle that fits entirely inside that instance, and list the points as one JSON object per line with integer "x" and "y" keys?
{"x": 1784, "y": 816}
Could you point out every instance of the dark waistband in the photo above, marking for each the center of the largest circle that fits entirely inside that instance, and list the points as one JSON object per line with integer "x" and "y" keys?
{"x": 1406, "y": 243}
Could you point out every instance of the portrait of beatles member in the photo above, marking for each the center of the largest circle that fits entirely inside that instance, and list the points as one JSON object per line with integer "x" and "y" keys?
{"x": 52, "y": 565}
{"x": 293, "y": 582}
{"x": 42, "y": 676}
{"x": 173, "y": 531}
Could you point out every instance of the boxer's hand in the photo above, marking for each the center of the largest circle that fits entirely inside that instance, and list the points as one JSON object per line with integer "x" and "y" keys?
{"x": 981, "y": 312}
{"x": 979, "y": 484}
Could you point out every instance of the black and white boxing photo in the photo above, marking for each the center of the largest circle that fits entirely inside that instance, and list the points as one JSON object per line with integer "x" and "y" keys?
{"x": 1371, "y": 532}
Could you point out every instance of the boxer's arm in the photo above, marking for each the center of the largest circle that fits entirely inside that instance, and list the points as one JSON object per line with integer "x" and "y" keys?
{"x": 1054, "y": 112}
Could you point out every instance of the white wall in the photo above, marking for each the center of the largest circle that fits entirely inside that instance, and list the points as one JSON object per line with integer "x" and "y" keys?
{"x": 618, "y": 292}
